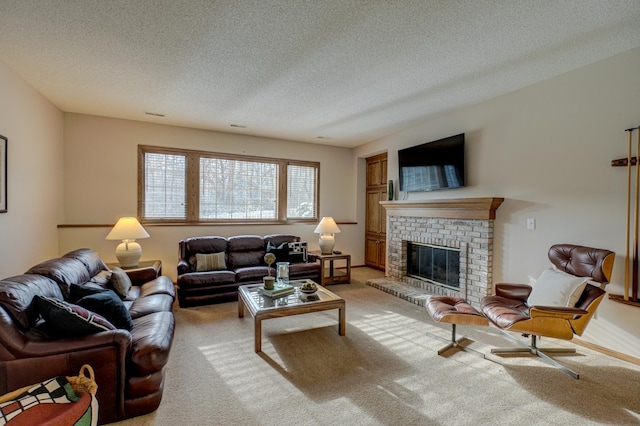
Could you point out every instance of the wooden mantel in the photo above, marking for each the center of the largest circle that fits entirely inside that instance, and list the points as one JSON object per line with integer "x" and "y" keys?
{"x": 454, "y": 208}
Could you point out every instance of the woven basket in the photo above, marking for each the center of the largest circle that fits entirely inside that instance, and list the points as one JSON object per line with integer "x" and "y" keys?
{"x": 82, "y": 383}
{"x": 79, "y": 383}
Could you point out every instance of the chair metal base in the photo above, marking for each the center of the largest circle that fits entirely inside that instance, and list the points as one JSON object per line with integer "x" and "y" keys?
{"x": 533, "y": 349}
{"x": 455, "y": 343}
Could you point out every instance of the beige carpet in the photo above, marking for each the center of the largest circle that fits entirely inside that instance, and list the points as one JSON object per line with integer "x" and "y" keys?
{"x": 385, "y": 371}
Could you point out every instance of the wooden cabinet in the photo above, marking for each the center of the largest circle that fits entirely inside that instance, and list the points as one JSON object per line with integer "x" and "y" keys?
{"x": 375, "y": 251}
{"x": 376, "y": 220}
{"x": 377, "y": 171}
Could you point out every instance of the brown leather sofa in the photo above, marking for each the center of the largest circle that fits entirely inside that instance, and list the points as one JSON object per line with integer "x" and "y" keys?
{"x": 128, "y": 365}
{"x": 244, "y": 261}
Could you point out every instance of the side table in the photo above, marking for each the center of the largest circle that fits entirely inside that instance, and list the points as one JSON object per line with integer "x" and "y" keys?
{"x": 330, "y": 274}
{"x": 145, "y": 271}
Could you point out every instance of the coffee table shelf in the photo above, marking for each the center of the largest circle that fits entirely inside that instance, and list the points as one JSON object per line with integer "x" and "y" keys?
{"x": 264, "y": 307}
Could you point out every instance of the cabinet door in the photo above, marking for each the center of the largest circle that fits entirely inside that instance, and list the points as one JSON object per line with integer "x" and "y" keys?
{"x": 375, "y": 251}
{"x": 377, "y": 170}
{"x": 376, "y": 221}
{"x": 371, "y": 251}
{"x": 373, "y": 211}
{"x": 383, "y": 171}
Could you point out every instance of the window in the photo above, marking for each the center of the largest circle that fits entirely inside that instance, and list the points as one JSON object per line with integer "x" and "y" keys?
{"x": 301, "y": 191}
{"x": 164, "y": 186}
{"x": 195, "y": 186}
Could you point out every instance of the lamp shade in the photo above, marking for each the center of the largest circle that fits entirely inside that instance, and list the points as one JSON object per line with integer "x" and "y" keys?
{"x": 327, "y": 226}
{"x": 127, "y": 228}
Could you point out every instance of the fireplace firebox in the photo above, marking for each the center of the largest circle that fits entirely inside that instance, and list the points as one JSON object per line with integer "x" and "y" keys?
{"x": 436, "y": 264}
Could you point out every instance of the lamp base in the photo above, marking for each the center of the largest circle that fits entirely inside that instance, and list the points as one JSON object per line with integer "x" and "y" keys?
{"x": 128, "y": 254}
{"x": 326, "y": 243}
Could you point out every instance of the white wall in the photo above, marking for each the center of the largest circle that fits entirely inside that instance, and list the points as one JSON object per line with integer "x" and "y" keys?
{"x": 547, "y": 149}
{"x": 33, "y": 126}
{"x": 101, "y": 177}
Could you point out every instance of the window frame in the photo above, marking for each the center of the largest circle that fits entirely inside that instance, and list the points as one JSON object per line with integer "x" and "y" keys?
{"x": 192, "y": 190}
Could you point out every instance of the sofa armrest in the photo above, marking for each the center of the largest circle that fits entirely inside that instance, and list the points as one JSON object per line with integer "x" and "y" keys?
{"x": 513, "y": 291}
{"x": 144, "y": 273}
{"x": 556, "y": 312}
{"x": 183, "y": 267}
{"x": 119, "y": 338}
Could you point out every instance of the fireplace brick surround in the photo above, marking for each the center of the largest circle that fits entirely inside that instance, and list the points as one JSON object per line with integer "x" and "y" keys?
{"x": 467, "y": 224}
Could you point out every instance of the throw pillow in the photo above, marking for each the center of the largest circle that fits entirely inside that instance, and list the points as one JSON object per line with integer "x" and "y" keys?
{"x": 109, "y": 305}
{"x": 557, "y": 288}
{"x": 69, "y": 320}
{"x": 101, "y": 279}
{"x": 77, "y": 291}
{"x": 120, "y": 282}
{"x": 281, "y": 251}
{"x": 210, "y": 262}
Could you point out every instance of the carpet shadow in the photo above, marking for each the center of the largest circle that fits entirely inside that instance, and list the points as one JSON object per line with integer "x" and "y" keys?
{"x": 326, "y": 366}
{"x": 619, "y": 388}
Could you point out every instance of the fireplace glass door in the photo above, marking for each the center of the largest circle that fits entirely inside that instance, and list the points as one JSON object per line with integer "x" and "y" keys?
{"x": 436, "y": 264}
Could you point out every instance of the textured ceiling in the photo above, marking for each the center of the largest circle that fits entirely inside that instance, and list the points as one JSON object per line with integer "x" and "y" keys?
{"x": 352, "y": 71}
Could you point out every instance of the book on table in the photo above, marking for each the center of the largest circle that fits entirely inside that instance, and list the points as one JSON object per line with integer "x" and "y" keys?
{"x": 279, "y": 290}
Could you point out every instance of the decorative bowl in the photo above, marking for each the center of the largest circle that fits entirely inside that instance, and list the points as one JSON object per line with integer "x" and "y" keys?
{"x": 308, "y": 288}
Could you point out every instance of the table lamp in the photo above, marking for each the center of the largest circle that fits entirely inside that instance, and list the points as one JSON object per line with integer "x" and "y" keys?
{"x": 327, "y": 228}
{"x": 128, "y": 252}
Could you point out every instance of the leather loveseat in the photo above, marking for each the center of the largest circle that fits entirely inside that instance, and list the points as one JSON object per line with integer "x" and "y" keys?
{"x": 128, "y": 363}
{"x": 242, "y": 262}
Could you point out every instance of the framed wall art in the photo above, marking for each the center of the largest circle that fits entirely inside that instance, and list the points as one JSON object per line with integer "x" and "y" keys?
{"x": 3, "y": 174}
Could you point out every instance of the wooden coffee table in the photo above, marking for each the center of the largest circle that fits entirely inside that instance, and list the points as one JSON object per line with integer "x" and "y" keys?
{"x": 264, "y": 307}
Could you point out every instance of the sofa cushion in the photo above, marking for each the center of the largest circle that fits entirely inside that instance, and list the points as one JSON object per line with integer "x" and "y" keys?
{"x": 210, "y": 262}
{"x": 303, "y": 270}
{"x": 151, "y": 336}
{"x": 120, "y": 282}
{"x": 195, "y": 245}
{"x": 245, "y": 243}
{"x": 90, "y": 259}
{"x": 69, "y": 320}
{"x": 245, "y": 250}
{"x": 143, "y": 386}
{"x": 17, "y": 297}
{"x": 161, "y": 285}
{"x": 150, "y": 304}
{"x": 64, "y": 270}
{"x": 206, "y": 244}
{"x": 108, "y": 304}
{"x": 198, "y": 279}
{"x": 251, "y": 274}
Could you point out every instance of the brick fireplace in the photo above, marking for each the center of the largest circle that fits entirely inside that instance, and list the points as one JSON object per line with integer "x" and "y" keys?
{"x": 465, "y": 224}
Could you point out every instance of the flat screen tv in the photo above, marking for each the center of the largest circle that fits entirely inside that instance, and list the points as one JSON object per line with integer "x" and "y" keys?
{"x": 433, "y": 165}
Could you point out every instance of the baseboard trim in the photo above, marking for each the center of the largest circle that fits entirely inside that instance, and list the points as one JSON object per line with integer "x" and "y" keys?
{"x": 607, "y": 351}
